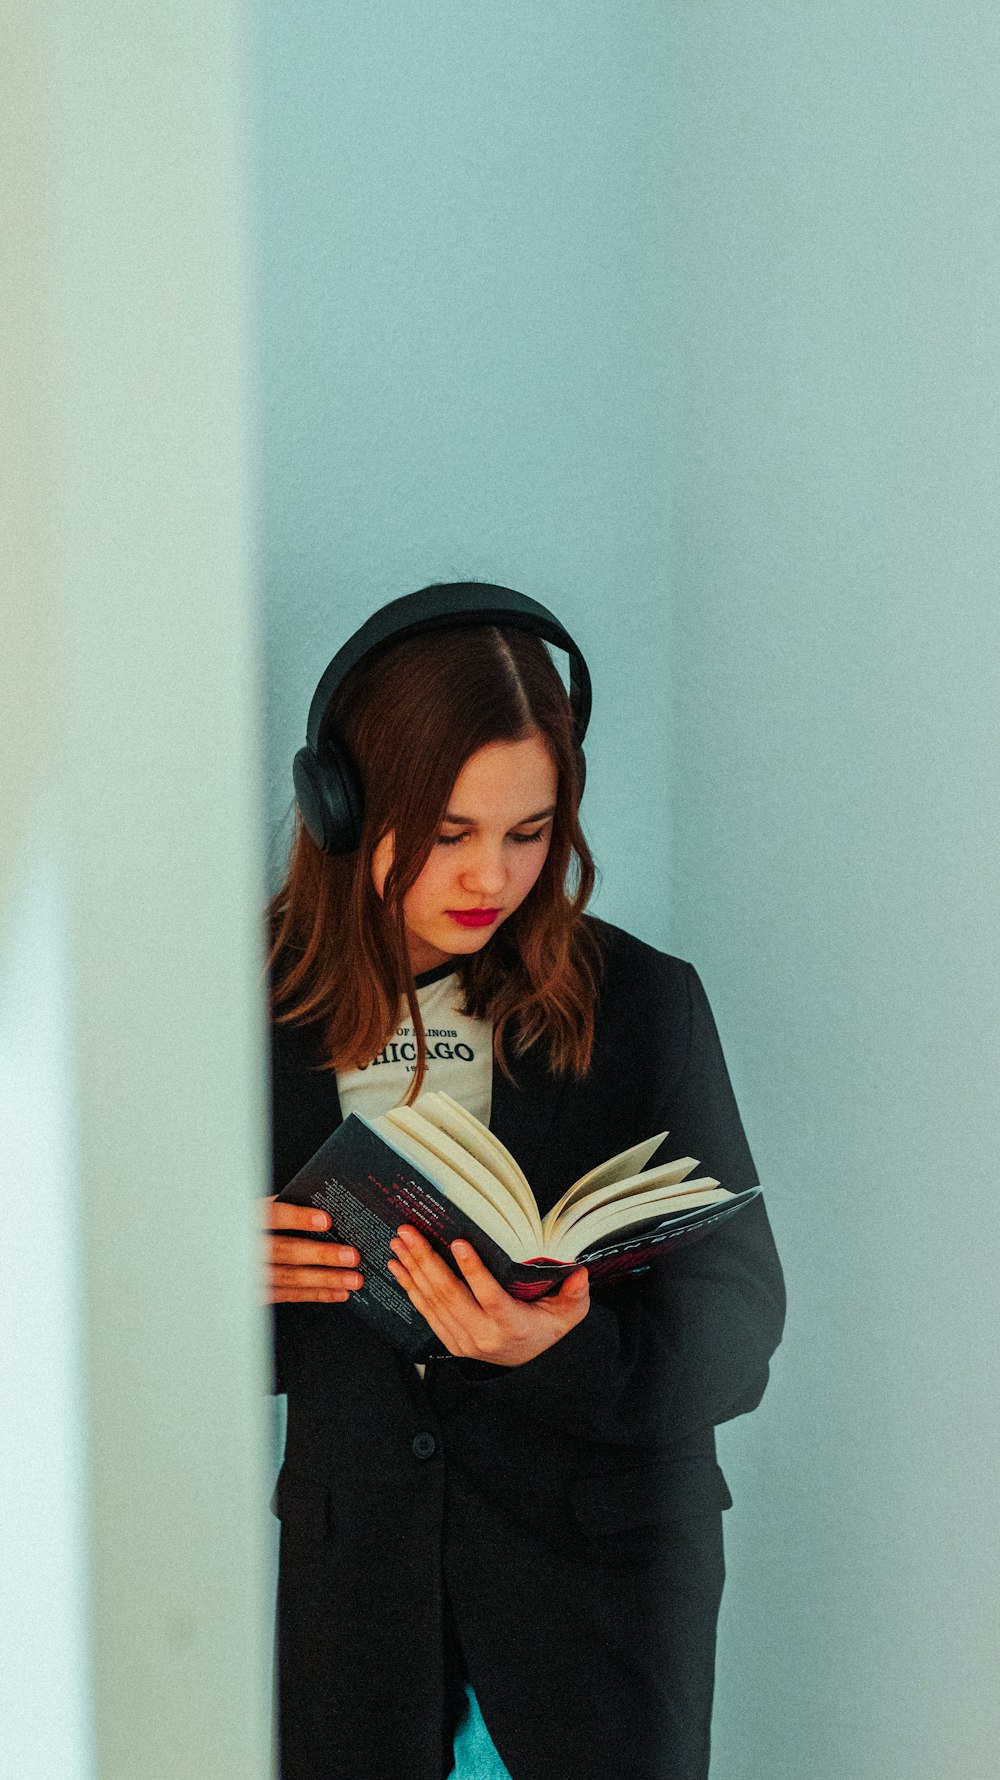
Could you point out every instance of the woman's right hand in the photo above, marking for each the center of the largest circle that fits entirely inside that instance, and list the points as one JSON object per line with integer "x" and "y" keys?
{"x": 300, "y": 1270}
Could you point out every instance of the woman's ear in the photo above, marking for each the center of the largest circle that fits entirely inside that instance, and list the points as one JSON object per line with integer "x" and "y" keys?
{"x": 382, "y": 858}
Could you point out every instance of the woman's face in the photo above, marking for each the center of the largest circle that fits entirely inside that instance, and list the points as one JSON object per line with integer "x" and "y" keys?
{"x": 490, "y": 849}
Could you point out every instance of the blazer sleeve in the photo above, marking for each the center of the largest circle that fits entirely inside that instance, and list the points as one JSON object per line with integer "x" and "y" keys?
{"x": 688, "y": 1343}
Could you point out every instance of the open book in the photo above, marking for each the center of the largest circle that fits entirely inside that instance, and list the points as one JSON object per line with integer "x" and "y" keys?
{"x": 479, "y": 1174}
{"x": 436, "y": 1166}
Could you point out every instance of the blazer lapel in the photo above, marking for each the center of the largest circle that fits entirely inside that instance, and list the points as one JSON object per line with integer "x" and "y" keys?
{"x": 523, "y": 1111}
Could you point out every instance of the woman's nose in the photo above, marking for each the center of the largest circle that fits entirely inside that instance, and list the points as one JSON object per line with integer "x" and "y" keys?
{"x": 486, "y": 874}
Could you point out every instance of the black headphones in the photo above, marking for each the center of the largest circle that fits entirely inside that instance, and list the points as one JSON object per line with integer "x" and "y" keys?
{"x": 328, "y": 786}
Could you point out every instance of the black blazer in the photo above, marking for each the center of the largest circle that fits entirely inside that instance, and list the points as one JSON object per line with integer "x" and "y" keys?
{"x": 569, "y": 1508}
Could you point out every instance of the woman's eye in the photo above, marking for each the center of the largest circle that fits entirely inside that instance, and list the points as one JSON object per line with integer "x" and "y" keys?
{"x": 452, "y": 840}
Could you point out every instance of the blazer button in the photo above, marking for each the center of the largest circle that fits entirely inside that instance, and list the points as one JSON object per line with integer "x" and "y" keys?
{"x": 424, "y": 1445}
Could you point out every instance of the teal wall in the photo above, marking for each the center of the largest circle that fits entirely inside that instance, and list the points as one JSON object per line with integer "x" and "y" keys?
{"x": 833, "y": 225}
{"x": 684, "y": 319}
{"x": 461, "y": 369}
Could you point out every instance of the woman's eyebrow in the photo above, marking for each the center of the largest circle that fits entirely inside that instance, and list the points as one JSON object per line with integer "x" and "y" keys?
{"x": 470, "y": 822}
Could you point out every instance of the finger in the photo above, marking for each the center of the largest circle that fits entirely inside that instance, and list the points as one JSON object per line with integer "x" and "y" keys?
{"x": 484, "y": 1285}
{"x": 328, "y": 1279}
{"x": 432, "y": 1273}
{"x": 289, "y": 1295}
{"x": 571, "y": 1303}
{"x": 280, "y": 1214}
{"x": 308, "y": 1253}
{"x": 446, "y": 1301}
{"x": 418, "y": 1279}
{"x": 445, "y": 1326}
{"x": 573, "y": 1292}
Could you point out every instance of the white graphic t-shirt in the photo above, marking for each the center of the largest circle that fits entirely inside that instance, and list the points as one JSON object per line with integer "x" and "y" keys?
{"x": 459, "y": 1058}
{"x": 459, "y": 1055}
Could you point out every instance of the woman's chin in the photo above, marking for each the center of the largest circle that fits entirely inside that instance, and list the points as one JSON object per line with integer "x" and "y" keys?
{"x": 459, "y": 941}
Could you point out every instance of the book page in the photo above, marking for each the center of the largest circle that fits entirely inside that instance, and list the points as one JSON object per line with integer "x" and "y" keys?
{"x": 619, "y": 1168}
{"x": 608, "y": 1220}
{"x": 669, "y": 1181}
{"x": 454, "y": 1118}
{"x": 440, "y": 1148}
{"x": 452, "y": 1184}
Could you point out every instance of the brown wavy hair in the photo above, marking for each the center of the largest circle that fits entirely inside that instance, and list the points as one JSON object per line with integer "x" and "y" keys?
{"x": 411, "y": 715}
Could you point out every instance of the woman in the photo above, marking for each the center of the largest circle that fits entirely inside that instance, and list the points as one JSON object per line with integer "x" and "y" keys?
{"x": 531, "y": 1522}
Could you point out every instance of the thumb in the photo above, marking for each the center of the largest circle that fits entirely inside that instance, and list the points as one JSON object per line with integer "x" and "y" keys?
{"x": 575, "y": 1284}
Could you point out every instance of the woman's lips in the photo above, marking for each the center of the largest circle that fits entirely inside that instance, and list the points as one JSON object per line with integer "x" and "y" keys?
{"x": 473, "y": 917}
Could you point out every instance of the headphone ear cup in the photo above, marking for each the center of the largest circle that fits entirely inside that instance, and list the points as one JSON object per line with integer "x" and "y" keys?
{"x": 330, "y": 797}
{"x": 581, "y": 773}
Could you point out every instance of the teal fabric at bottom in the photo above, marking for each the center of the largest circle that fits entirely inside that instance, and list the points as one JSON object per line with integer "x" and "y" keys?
{"x": 475, "y": 1756}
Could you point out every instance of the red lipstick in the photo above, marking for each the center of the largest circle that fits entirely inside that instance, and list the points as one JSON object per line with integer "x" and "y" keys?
{"x": 473, "y": 917}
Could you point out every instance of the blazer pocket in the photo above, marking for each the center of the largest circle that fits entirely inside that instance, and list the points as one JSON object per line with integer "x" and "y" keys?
{"x": 672, "y": 1489}
{"x": 303, "y": 1504}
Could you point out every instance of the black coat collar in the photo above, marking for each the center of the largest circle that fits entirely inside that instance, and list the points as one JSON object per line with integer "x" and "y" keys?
{"x": 523, "y": 1110}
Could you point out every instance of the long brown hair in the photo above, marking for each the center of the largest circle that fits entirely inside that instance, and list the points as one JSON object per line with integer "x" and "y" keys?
{"x": 411, "y": 715}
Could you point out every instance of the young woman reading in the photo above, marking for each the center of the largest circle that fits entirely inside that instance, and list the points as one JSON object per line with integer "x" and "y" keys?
{"x": 528, "y": 1526}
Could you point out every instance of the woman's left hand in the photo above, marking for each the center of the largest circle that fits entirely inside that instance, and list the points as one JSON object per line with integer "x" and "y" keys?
{"x": 478, "y": 1320}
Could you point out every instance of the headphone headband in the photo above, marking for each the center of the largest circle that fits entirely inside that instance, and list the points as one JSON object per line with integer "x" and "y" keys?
{"x": 327, "y": 783}
{"x": 444, "y": 607}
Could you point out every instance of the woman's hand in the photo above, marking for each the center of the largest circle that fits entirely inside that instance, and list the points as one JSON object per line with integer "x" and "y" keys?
{"x": 479, "y": 1320}
{"x": 303, "y": 1271}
